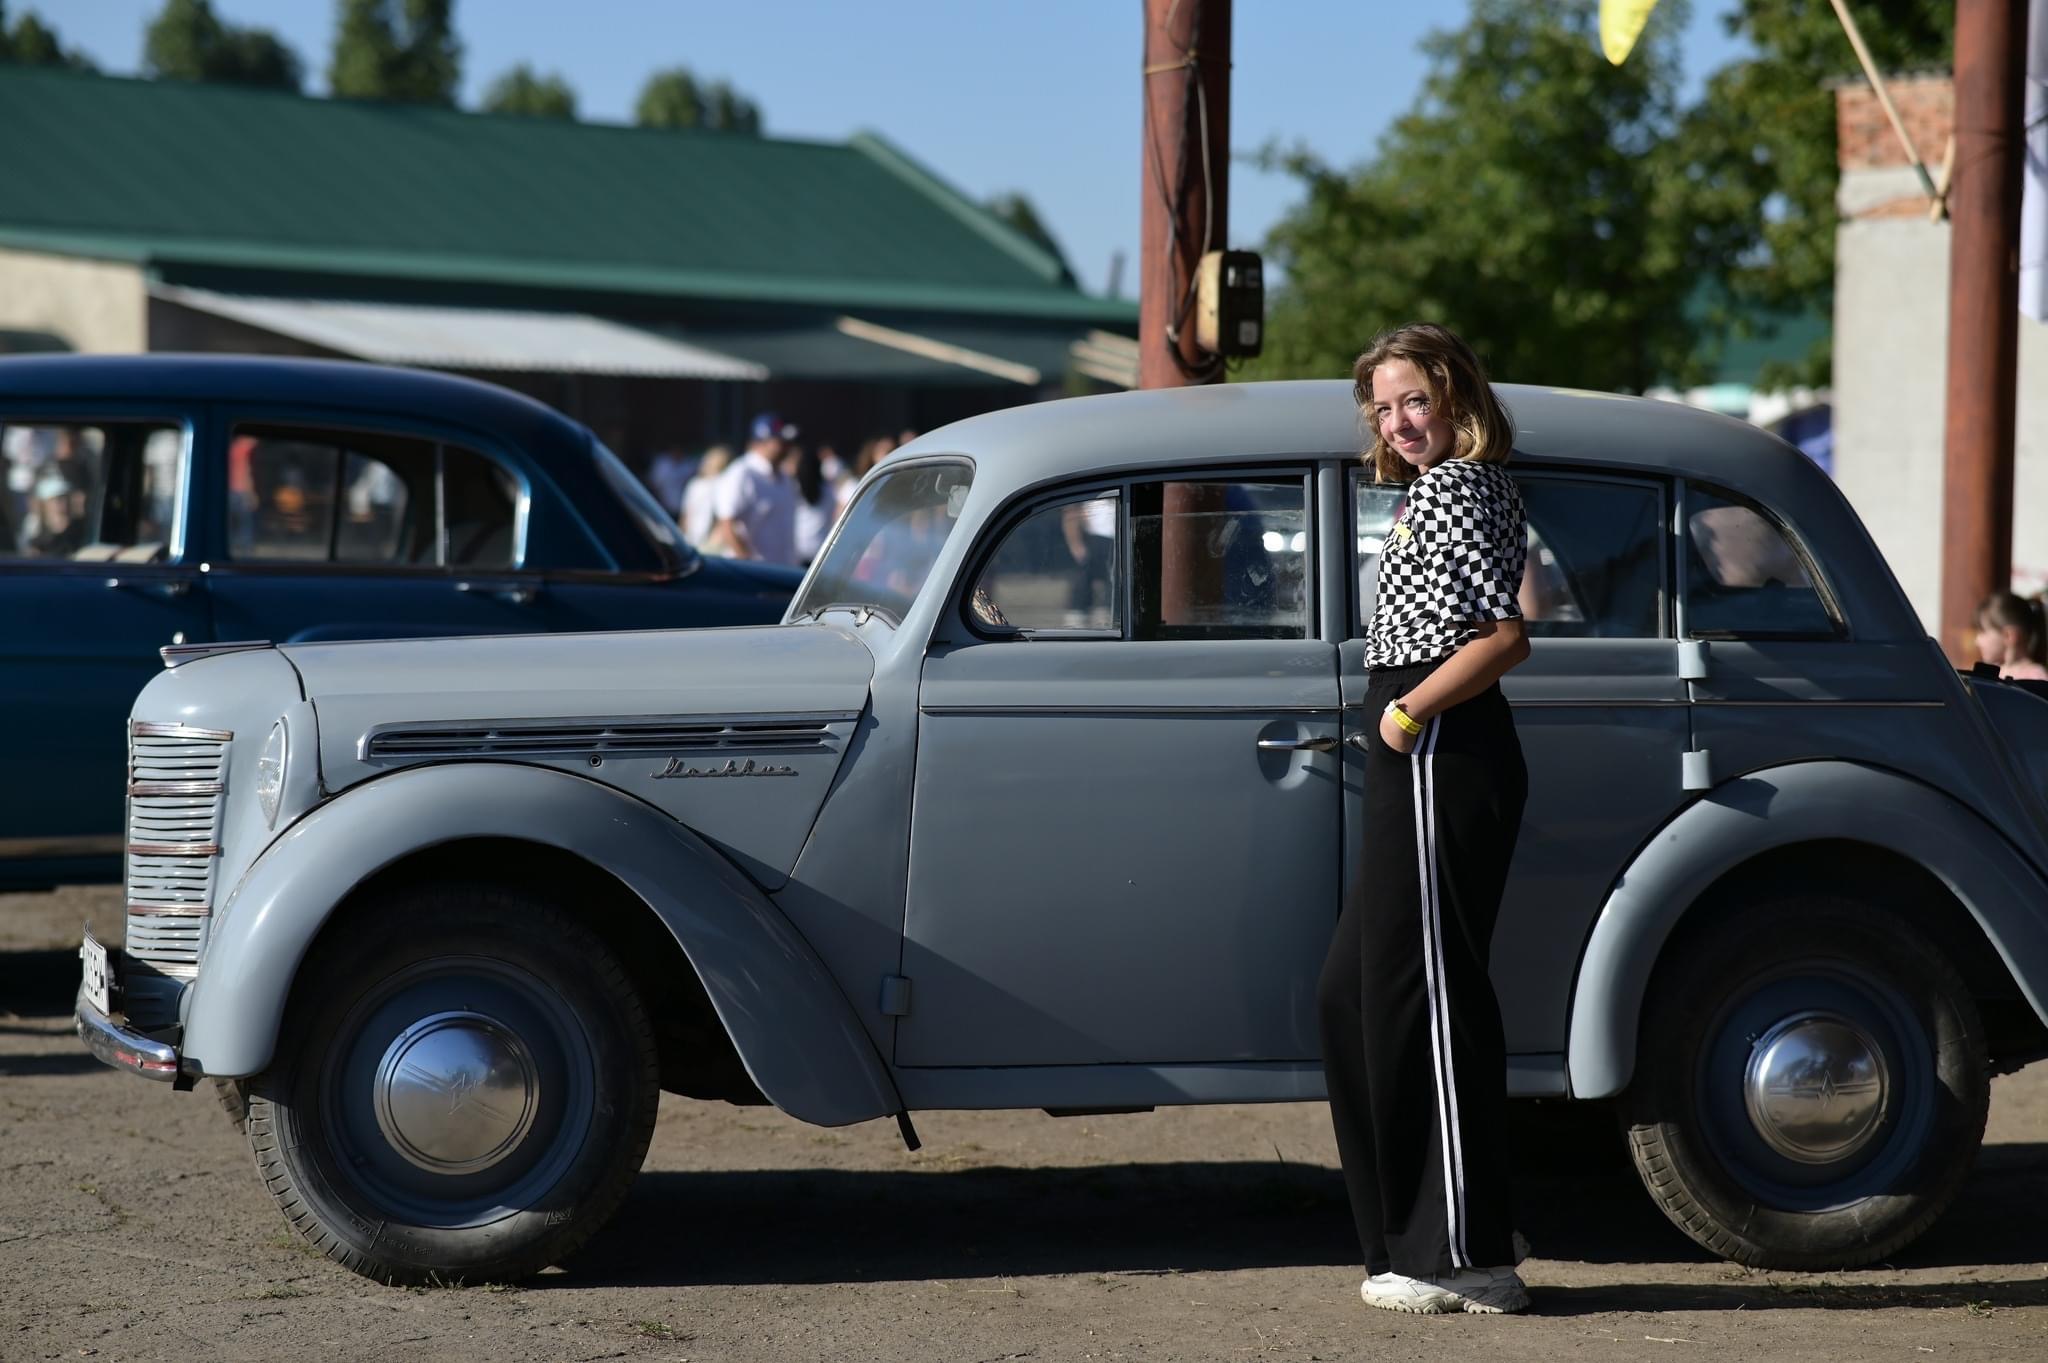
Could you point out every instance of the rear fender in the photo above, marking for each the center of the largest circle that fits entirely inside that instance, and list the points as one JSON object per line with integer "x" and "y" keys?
{"x": 1801, "y": 802}
{"x": 792, "y": 1026}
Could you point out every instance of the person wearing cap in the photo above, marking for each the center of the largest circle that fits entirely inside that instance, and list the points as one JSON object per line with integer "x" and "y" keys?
{"x": 755, "y": 504}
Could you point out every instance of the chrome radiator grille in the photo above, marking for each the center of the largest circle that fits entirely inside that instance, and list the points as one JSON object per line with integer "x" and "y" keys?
{"x": 176, "y": 787}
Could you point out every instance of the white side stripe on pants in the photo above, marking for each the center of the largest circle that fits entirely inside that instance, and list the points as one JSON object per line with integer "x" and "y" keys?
{"x": 1424, "y": 760}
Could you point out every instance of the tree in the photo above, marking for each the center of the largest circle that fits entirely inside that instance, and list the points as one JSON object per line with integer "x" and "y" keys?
{"x": 522, "y": 91}
{"x": 405, "y": 51}
{"x": 1763, "y": 141}
{"x": 31, "y": 42}
{"x": 1016, "y": 210}
{"x": 674, "y": 99}
{"x": 188, "y": 41}
{"x": 1530, "y": 199}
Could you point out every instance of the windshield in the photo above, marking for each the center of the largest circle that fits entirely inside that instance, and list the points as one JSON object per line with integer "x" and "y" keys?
{"x": 885, "y": 547}
{"x": 640, "y": 504}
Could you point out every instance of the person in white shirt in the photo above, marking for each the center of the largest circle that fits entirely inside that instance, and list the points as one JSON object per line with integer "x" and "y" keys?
{"x": 698, "y": 513}
{"x": 755, "y": 506}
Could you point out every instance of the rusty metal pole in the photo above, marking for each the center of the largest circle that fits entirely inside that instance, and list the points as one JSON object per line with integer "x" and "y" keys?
{"x": 1983, "y": 315}
{"x": 1184, "y": 207}
{"x": 1184, "y": 198}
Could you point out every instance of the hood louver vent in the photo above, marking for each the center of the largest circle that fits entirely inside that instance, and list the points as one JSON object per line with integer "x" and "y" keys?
{"x": 699, "y": 734}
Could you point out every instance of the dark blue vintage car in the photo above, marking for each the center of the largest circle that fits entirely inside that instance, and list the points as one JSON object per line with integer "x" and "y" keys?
{"x": 158, "y": 501}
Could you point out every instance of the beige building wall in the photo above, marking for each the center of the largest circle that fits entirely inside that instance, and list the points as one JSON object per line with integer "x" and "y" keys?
{"x": 1891, "y": 353}
{"x": 94, "y": 306}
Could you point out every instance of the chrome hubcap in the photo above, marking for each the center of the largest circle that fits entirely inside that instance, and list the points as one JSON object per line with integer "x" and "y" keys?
{"x": 1816, "y": 1087}
{"x": 456, "y": 1092}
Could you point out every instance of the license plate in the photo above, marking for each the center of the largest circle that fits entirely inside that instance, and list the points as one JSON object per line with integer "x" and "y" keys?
{"x": 98, "y": 974}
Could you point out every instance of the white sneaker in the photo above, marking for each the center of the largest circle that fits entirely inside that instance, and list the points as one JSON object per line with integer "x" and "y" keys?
{"x": 1481, "y": 1291}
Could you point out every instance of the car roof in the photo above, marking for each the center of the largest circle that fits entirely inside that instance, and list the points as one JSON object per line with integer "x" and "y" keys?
{"x": 266, "y": 378}
{"x": 1235, "y": 422}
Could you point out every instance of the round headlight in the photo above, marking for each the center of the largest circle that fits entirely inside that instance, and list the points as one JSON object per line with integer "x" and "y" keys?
{"x": 270, "y": 773}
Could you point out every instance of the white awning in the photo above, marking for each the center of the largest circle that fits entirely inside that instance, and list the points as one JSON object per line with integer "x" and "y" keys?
{"x": 470, "y": 338}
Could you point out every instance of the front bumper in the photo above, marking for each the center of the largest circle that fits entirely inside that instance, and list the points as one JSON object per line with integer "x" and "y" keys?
{"x": 113, "y": 1044}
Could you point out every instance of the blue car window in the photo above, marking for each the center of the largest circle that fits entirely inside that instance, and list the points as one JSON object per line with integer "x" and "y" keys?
{"x": 90, "y": 491}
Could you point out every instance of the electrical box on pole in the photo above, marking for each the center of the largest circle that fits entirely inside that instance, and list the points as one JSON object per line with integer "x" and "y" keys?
{"x": 1230, "y": 304}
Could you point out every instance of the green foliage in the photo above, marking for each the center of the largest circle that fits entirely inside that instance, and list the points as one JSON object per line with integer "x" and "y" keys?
{"x": 523, "y": 91}
{"x": 1569, "y": 217}
{"x": 188, "y": 41}
{"x": 1762, "y": 142}
{"x": 403, "y": 50}
{"x": 1528, "y": 200}
{"x": 31, "y": 42}
{"x": 1016, "y": 210}
{"x": 675, "y": 99}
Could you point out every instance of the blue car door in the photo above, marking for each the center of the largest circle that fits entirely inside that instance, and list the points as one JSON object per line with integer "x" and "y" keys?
{"x": 94, "y": 579}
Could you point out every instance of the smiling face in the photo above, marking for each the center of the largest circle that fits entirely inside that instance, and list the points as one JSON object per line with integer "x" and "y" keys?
{"x": 1408, "y": 418}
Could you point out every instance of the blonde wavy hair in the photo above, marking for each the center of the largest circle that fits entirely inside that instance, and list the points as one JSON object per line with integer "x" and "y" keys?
{"x": 1458, "y": 388}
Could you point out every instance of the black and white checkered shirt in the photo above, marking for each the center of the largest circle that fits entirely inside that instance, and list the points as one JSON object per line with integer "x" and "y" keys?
{"x": 1453, "y": 558}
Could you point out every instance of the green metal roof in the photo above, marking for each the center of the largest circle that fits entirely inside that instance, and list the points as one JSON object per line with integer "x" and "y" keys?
{"x": 174, "y": 173}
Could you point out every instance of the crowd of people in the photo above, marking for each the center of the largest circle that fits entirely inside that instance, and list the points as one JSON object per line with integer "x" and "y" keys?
{"x": 775, "y": 501}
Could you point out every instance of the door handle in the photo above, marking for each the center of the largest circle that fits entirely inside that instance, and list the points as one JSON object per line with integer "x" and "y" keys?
{"x": 1360, "y": 740}
{"x": 518, "y": 593}
{"x": 154, "y": 586}
{"x": 1297, "y": 744}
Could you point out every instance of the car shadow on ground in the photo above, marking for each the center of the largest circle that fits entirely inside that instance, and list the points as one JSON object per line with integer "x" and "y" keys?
{"x": 852, "y": 1226}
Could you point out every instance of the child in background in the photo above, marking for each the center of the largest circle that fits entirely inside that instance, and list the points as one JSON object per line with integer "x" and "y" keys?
{"x": 2013, "y": 637}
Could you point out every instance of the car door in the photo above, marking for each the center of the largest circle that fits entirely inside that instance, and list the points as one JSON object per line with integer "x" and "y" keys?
{"x": 1599, "y": 707}
{"x": 94, "y": 579}
{"x": 1124, "y": 833}
{"x": 342, "y": 529}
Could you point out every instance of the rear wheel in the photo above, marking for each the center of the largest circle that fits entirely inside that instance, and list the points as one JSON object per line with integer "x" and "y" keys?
{"x": 464, "y": 1088}
{"x": 1811, "y": 1086}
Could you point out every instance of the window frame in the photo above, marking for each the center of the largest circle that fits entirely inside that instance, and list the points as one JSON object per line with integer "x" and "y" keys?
{"x": 181, "y": 511}
{"x": 522, "y": 500}
{"x": 1301, "y": 469}
{"x": 1681, "y": 543}
{"x": 1662, "y": 485}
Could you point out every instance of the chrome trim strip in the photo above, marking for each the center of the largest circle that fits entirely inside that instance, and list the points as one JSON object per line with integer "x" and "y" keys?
{"x": 807, "y": 731}
{"x": 1134, "y": 709}
{"x": 96, "y": 845}
{"x": 197, "y": 910}
{"x": 148, "y": 788}
{"x": 112, "y": 1044}
{"x": 176, "y": 655}
{"x": 1547, "y": 704}
{"x": 173, "y": 849}
{"x": 143, "y": 728}
{"x": 1833, "y": 704}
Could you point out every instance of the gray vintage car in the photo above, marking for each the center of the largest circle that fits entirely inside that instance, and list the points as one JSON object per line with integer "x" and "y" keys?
{"x": 1044, "y": 795}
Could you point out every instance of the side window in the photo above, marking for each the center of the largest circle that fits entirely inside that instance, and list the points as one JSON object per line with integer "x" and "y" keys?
{"x": 1744, "y": 575}
{"x": 1376, "y": 504}
{"x": 1222, "y": 559}
{"x": 310, "y": 495}
{"x": 1055, "y": 570}
{"x": 1596, "y": 559}
{"x": 89, "y": 492}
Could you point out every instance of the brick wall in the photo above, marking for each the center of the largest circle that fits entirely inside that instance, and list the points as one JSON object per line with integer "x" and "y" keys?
{"x": 1864, "y": 139}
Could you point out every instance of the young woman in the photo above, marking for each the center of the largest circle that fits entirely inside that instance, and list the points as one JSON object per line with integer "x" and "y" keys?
{"x": 2011, "y": 637}
{"x": 1412, "y": 1043}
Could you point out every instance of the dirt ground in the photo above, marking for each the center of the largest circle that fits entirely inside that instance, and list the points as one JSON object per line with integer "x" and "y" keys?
{"x": 132, "y": 1226}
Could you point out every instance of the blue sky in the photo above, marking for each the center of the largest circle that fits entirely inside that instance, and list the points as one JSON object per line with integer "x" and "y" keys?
{"x": 1039, "y": 96}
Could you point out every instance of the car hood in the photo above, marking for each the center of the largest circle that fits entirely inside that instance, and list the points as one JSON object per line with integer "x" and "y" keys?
{"x": 359, "y": 688}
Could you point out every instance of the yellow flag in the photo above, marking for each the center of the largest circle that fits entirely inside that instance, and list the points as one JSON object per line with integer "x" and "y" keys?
{"x": 1621, "y": 23}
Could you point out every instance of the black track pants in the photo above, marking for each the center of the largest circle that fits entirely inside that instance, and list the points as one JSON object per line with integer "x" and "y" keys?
{"x": 1411, "y": 1032}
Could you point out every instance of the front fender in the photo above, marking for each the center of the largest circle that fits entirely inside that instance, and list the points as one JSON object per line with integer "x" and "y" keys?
{"x": 794, "y": 1030}
{"x": 1801, "y": 802}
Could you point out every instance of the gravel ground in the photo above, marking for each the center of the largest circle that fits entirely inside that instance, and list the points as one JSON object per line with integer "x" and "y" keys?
{"x": 132, "y": 1226}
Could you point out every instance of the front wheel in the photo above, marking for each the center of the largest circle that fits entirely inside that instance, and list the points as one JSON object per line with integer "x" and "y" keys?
{"x": 1811, "y": 1085}
{"x": 464, "y": 1088}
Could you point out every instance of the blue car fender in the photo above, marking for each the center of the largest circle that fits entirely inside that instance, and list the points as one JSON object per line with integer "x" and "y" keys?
{"x": 1800, "y": 802}
{"x": 792, "y": 1026}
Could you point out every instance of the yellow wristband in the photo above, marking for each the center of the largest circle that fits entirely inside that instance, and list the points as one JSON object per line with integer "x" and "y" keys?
{"x": 1408, "y": 723}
